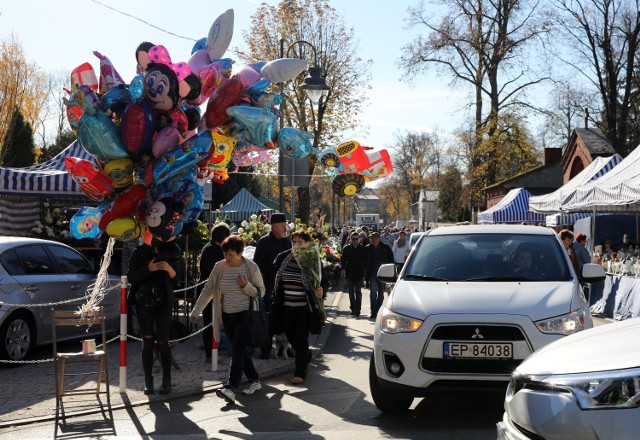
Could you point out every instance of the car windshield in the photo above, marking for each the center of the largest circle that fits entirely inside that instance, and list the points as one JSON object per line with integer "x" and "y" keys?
{"x": 488, "y": 257}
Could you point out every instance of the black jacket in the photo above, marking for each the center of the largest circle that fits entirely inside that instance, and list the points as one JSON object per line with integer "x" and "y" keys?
{"x": 354, "y": 261}
{"x": 139, "y": 274}
{"x": 377, "y": 256}
{"x": 267, "y": 250}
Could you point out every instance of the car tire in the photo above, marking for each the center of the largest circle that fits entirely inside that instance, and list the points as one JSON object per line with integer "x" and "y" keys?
{"x": 347, "y": 185}
{"x": 384, "y": 402}
{"x": 17, "y": 337}
{"x": 330, "y": 160}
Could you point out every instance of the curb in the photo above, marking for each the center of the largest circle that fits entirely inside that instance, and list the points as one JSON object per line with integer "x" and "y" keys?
{"x": 315, "y": 341}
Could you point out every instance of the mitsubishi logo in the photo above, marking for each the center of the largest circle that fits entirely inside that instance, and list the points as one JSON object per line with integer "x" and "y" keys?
{"x": 477, "y": 334}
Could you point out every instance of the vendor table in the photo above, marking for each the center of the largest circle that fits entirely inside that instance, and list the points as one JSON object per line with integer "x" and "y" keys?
{"x": 618, "y": 297}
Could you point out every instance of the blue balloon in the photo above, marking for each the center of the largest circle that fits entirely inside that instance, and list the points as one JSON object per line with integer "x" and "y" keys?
{"x": 179, "y": 159}
{"x": 200, "y": 44}
{"x": 260, "y": 123}
{"x": 266, "y": 100}
{"x": 84, "y": 223}
{"x": 116, "y": 99}
{"x": 100, "y": 137}
{"x": 258, "y": 87}
{"x": 296, "y": 143}
{"x": 136, "y": 88}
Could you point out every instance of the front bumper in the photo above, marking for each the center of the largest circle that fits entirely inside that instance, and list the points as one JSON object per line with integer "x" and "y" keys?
{"x": 413, "y": 349}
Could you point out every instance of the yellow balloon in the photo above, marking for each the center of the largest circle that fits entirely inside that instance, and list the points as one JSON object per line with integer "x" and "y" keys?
{"x": 120, "y": 172}
{"x": 125, "y": 228}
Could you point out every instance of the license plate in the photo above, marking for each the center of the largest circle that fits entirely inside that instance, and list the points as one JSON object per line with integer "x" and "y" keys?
{"x": 477, "y": 350}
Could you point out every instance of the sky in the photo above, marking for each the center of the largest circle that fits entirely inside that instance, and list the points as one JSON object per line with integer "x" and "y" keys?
{"x": 62, "y": 34}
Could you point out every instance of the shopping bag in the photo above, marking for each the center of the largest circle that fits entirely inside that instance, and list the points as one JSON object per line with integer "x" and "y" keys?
{"x": 256, "y": 326}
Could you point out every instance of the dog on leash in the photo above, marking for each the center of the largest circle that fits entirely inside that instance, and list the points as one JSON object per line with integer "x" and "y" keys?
{"x": 283, "y": 347}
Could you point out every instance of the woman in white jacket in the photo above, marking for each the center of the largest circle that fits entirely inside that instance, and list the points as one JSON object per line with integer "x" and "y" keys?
{"x": 233, "y": 283}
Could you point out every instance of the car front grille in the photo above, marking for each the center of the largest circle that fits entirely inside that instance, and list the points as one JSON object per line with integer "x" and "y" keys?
{"x": 495, "y": 333}
{"x": 481, "y": 333}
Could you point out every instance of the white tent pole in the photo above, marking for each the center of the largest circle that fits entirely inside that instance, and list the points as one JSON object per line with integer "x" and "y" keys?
{"x": 593, "y": 230}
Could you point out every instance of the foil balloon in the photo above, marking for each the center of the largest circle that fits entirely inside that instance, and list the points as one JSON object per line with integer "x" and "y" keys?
{"x": 164, "y": 217}
{"x": 199, "y": 61}
{"x": 137, "y": 126}
{"x": 247, "y": 76}
{"x": 97, "y": 133}
{"x": 220, "y": 34}
{"x": 84, "y": 75}
{"x": 219, "y": 177}
{"x": 125, "y": 228}
{"x": 244, "y": 154}
{"x": 136, "y": 88}
{"x": 89, "y": 177}
{"x": 84, "y": 223}
{"x": 166, "y": 140}
{"x": 119, "y": 172}
{"x": 258, "y": 87}
{"x": 221, "y": 150}
{"x": 259, "y": 123}
{"x": 257, "y": 66}
{"x": 109, "y": 76}
{"x": 283, "y": 69}
{"x": 115, "y": 100}
{"x": 225, "y": 96}
{"x": 295, "y": 143}
{"x": 266, "y": 100}
{"x": 126, "y": 203}
{"x": 184, "y": 156}
{"x": 200, "y": 44}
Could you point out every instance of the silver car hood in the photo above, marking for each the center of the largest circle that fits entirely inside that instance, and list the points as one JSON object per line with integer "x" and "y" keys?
{"x": 606, "y": 347}
{"x": 537, "y": 300}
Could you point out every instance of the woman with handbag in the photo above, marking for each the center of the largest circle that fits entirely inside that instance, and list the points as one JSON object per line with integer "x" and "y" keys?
{"x": 233, "y": 283}
{"x": 153, "y": 275}
{"x": 295, "y": 310}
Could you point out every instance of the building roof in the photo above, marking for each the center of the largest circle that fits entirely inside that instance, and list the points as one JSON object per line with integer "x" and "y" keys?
{"x": 595, "y": 141}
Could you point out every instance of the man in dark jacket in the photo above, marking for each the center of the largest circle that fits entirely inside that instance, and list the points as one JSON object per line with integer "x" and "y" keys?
{"x": 353, "y": 265}
{"x": 377, "y": 255}
{"x": 267, "y": 250}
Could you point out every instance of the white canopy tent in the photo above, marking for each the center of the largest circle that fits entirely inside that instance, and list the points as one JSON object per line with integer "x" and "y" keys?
{"x": 513, "y": 208}
{"x": 616, "y": 191}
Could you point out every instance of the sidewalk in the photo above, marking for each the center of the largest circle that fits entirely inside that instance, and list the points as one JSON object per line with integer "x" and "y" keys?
{"x": 28, "y": 391}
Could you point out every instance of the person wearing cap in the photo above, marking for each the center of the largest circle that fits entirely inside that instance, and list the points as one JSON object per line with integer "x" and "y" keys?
{"x": 582, "y": 254}
{"x": 377, "y": 255}
{"x": 267, "y": 249}
{"x": 353, "y": 267}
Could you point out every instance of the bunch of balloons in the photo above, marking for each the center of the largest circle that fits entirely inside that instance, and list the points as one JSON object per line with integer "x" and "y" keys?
{"x": 153, "y": 148}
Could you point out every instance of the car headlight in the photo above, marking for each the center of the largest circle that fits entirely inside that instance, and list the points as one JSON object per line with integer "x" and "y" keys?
{"x": 564, "y": 325}
{"x": 392, "y": 322}
{"x": 617, "y": 389}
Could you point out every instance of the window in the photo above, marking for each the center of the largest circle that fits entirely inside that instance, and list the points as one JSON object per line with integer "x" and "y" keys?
{"x": 69, "y": 260}
{"x": 34, "y": 260}
{"x": 11, "y": 263}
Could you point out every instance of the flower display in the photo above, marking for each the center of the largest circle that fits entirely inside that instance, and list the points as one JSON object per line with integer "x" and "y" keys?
{"x": 252, "y": 230}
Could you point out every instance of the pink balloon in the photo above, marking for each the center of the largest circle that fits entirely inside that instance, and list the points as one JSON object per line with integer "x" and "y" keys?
{"x": 199, "y": 60}
{"x": 247, "y": 76}
{"x": 166, "y": 140}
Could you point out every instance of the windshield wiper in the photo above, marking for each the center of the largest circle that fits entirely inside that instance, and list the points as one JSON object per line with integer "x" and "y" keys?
{"x": 423, "y": 277}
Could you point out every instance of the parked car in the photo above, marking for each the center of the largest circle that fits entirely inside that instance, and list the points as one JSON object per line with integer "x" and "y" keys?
{"x": 34, "y": 271}
{"x": 355, "y": 165}
{"x": 586, "y": 387}
{"x": 463, "y": 312}
{"x": 414, "y": 237}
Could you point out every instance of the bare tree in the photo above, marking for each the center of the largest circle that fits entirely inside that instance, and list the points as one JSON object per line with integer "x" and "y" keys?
{"x": 605, "y": 42}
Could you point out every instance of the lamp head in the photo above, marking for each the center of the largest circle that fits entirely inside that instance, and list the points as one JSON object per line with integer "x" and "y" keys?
{"x": 314, "y": 84}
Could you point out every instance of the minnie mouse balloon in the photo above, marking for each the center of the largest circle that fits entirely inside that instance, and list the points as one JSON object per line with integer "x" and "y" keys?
{"x": 163, "y": 218}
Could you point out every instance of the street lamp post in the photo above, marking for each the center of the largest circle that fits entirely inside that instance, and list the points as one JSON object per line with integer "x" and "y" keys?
{"x": 314, "y": 85}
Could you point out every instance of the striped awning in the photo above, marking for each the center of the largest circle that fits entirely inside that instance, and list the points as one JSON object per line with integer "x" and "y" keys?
{"x": 242, "y": 205}
{"x": 513, "y": 208}
{"x": 550, "y": 203}
{"x": 17, "y": 217}
{"x": 616, "y": 191}
{"x": 48, "y": 179}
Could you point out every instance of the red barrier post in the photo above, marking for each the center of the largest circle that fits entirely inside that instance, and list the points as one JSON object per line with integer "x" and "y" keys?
{"x": 123, "y": 334}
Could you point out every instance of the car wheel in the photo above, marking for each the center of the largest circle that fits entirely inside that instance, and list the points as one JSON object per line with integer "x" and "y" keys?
{"x": 384, "y": 402}
{"x": 17, "y": 337}
{"x": 347, "y": 185}
{"x": 330, "y": 160}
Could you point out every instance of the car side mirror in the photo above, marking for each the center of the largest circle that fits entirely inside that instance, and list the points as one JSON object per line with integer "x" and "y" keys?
{"x": 387, "y": 273}
{"x": 593, "y": 273}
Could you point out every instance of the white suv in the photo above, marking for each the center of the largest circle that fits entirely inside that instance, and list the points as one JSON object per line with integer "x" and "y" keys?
{"x": 469, "y": 305}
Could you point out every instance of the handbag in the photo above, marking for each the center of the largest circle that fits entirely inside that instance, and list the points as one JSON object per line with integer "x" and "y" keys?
{"x": 256, "y": 326}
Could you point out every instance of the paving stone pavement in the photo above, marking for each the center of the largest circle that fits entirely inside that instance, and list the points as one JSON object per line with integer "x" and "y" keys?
{"x": 27, "y": 391}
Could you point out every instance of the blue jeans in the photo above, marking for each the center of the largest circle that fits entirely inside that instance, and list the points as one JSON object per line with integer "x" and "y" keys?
{"x": 240, "y": 360}
{"x": 355, "y": 294}
{"x": 376, "y": 294}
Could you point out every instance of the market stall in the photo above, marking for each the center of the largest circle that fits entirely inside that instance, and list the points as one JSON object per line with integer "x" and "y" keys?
{"x": 513, "y": 208}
